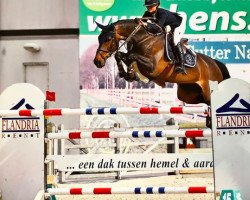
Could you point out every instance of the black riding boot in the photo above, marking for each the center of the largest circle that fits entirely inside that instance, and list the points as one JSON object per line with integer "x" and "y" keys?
{"x": 180, "y": 68}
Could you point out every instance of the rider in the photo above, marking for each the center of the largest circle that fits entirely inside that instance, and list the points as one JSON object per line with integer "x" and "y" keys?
{"x": 164, "y": 18}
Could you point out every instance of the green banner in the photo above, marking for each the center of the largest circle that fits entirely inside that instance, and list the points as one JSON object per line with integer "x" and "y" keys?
{"x": 199, "y": 16}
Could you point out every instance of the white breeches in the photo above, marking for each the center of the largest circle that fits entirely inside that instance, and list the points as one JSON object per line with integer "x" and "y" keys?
{"x": 178, "y": 34}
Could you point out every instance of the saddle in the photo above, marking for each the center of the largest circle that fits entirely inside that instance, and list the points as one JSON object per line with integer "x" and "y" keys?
{"x": 170, "y": 49}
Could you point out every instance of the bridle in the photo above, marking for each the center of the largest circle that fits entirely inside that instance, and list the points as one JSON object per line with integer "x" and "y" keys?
{"x": 114, "y": 43}
{"x": 108, "y": 51}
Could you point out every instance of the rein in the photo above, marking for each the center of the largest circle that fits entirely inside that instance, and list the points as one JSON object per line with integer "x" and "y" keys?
{"x": 136, "y": 29}
{"x": 129, "y": 37}
{"x": 125, "y": 42}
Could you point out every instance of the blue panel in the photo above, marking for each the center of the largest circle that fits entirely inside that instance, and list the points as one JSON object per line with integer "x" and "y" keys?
{"x": 232, "y": 52}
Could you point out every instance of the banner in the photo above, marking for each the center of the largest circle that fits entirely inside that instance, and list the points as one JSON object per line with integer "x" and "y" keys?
{"x": 116, "y": 162}
{"x": 199, "y": 17}
{"x": 226, "y": 52}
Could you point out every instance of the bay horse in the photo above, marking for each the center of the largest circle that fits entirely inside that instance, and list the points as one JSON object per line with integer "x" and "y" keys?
{"x": 147, "y": 50}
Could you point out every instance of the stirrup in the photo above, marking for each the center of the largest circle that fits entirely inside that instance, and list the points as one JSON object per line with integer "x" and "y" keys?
{"x": 179, "y": 69}
{"x": 184, "y": 71}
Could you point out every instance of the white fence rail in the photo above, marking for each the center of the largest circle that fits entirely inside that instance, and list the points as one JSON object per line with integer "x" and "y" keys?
{"x": 137, "y": 97}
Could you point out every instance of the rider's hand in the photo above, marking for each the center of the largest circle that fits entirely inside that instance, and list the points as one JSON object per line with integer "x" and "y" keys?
{"x": 140, "y": 22}
{"x": 143, "y": 23}
{"x": 137, "y": 20}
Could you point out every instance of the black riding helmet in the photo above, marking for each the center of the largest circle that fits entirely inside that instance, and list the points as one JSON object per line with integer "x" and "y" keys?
{"x": 151, "y": 2}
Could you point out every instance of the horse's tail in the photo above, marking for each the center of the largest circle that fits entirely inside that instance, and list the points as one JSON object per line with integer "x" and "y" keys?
{"x": 223, "y": 69}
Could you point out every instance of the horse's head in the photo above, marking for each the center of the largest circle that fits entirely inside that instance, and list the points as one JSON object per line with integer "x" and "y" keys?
{"x": 107, "y": 44}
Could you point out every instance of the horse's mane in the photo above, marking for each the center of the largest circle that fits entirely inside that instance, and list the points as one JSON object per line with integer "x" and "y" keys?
{"x": 133, "y": 23}
{"x": 125, "y": 22}
{"x": 129, "y": 21}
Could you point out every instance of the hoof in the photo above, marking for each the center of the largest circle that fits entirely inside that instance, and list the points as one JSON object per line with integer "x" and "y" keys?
{"x": 121, "y": 75}
{"x": 118, "y": 56}
{"x": 130, "y": 77}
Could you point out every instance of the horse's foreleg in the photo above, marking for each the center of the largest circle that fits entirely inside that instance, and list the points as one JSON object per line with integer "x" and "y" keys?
{"x": 143, "y": 62}
{"x": 123, "y": 58}
{"x": 130, "y": 75}
{"x": 118, "y": 58}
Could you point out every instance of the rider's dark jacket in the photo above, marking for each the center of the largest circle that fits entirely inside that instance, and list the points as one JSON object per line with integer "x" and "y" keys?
{"x": 163, "y": 18}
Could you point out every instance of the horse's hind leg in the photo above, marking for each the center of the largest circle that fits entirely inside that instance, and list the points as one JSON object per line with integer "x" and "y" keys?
{"x": 190, "y": 93}
{"x": 206, "y": 92}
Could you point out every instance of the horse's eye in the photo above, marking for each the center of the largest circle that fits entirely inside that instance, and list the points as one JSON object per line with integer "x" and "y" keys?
{"x": 109, "y": 38}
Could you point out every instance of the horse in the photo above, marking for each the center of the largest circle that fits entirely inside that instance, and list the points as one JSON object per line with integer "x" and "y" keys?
{"x": 146, "y": 51}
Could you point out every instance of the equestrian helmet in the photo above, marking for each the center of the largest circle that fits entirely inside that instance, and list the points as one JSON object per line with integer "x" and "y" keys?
{"x": 151, "y": 2}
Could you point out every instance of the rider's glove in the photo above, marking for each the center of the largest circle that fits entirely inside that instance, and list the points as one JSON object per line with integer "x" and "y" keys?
{"x": 137, "y": 20}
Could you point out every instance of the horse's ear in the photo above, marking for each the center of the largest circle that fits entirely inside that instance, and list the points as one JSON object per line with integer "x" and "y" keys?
{"x": 100, "y": 25}
{"x": 109, "y": 27}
